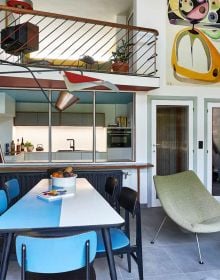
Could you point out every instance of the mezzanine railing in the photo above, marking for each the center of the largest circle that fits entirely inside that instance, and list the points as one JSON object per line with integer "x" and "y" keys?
{"x": 53, "y": 40}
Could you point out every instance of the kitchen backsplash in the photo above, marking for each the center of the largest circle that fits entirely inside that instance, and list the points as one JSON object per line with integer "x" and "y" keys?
{"x": 82, "y": 135}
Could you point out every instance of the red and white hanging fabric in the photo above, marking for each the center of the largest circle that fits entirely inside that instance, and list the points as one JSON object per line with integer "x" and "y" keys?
{"x": 76, "y": 82}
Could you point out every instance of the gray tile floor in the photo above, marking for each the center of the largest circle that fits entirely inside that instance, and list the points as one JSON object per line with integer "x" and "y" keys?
{"x": 173, "y": 257}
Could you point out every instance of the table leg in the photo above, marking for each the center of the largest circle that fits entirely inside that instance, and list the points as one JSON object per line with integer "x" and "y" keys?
{"x": 6, "y": 253}
{"x": 108, "y": 249}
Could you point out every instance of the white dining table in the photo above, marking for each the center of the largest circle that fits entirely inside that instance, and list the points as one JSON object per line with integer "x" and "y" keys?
{"x": 86, "y": 210}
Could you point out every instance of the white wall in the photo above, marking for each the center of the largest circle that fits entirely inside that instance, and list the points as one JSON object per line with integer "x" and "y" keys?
{"x": 7, "y": 112}
{"x": 7, "y": 105}
{"x": 6, "y": 130}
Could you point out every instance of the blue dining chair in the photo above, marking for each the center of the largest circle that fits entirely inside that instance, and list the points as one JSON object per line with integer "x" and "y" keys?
{"x": 3, "y": 208}
{"x": 13, "y": 190}
{"x": 56, "y": 256}
{"x": 3, "y": 201}
{"x": 120, "y": 238}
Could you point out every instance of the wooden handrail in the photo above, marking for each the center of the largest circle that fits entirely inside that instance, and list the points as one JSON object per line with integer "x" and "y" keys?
{"x": 79, "y": 19}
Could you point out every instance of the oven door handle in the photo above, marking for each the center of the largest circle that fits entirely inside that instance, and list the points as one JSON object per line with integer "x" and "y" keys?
{"x": 119, "y": 134}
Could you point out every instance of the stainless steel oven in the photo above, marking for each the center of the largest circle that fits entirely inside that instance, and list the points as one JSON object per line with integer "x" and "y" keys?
{"x": 118, "y": 137}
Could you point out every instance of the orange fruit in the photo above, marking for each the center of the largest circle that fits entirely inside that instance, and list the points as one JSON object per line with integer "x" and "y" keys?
{"x": 55, "y": 174}
{"x": 60, "y": 174}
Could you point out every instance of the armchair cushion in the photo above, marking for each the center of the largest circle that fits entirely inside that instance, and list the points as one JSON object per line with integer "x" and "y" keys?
{"x": 188, "y": 203}
{"x": 208, "y": 225}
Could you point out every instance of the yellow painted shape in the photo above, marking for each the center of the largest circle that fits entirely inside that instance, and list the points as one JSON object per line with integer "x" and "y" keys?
{"x": 213, "y": 56}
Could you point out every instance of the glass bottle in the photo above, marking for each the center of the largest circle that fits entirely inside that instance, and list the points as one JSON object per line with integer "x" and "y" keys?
{"x": 22, "y": 144}
{"x": 7, "y": 149}
{"x": 12, "y": 148}
{"x": 18, "y": 147}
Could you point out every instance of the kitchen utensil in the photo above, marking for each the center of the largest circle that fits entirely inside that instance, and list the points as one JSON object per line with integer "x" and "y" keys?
{"x": 39, "y": 147}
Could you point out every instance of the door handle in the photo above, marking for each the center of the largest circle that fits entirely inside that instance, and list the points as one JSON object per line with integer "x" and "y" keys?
{"x": 155, "y": 146}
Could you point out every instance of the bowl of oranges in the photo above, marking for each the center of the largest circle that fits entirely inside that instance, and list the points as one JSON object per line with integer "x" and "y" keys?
{"x": 64, "y": 178}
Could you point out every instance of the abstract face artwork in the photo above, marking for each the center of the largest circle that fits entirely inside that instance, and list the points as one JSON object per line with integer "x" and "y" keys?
{"x": 200, "y": 40}
{"x": 193, "y": 10}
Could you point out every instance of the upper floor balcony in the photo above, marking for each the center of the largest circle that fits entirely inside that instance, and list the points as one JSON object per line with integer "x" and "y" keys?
{"x": 55, "y": 42}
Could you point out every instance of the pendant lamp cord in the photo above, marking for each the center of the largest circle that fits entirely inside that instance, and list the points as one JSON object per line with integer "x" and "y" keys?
{"x": 33, "y": 76}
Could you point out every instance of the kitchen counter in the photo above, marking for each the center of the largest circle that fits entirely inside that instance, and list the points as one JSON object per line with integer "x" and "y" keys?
{"x": 15, "y": 158}
{"x": 77, "y": 166}
{"x": 62, "y": 155}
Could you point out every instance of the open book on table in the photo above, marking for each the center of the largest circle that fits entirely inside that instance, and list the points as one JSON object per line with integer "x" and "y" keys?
{"x": 55, "y": 194}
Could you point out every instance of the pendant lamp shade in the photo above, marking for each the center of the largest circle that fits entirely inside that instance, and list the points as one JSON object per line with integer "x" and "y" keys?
{"x": 65, "y": 99}
{"x": 22, "y": 4}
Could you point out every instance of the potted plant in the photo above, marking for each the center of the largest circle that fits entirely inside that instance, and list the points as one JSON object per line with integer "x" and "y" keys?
{"x": 29, "y": 146}
{"x": 121, "y": 56}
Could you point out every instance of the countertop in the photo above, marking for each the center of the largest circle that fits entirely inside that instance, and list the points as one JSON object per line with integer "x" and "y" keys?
{"x": 77, "y": 166}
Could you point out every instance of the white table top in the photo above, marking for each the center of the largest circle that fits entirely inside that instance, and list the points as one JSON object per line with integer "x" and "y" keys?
{"x": 87, "y": 208}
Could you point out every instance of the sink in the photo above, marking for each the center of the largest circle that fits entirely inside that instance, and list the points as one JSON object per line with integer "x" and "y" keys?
{"x": 64, "y": 151}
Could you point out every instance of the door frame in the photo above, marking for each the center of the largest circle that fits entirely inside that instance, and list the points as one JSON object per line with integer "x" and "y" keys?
{"x": 153, "y": 102}
{"x": 209, "y": 104}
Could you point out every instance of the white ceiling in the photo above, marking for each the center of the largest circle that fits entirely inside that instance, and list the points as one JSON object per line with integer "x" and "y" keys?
{"x": 106, "y": 10}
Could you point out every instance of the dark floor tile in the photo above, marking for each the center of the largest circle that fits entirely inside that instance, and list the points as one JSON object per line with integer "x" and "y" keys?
{"x": 156, "y": 261}
{"x": 102, "y": 271}
{"x": 204, "y": 275}
{"x": 186, "y": 257}
{"x": 14, "y": 271}
{"x": 168, "y": 277}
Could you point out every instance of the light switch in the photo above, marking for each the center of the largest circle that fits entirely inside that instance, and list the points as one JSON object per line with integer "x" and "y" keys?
{"x": 200, "y": 144}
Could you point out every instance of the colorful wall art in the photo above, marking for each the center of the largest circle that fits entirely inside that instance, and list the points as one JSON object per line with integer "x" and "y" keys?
{"x": 193, "y": 41}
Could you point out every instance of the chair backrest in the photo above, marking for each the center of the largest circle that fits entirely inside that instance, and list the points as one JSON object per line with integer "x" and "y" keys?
{"x": 12, "y": 188}
{"x": 184, "y": 197}
{"x": 128, "y": 200}
{"x": 111, "y": 185}
{"x": 58, "y": 254}
{"x": 3, "y": 201}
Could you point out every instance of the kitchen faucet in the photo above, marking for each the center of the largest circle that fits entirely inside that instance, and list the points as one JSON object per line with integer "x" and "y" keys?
{"x": 73, "y": 144}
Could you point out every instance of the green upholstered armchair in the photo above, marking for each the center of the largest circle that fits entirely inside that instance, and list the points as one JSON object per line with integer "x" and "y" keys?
{"x": 188, "y": 203}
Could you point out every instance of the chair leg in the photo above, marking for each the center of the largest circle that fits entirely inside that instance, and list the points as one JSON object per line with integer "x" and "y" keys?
{"x": 87, "y": 260}
{"x": 129, "y": 262}
{"x": 157, "y": 233}
{"x": 200, "y": 256}
{"x": 23, "y": 260}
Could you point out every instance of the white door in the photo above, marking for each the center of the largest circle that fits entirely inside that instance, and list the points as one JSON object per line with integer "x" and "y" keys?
{"x": 172, "y": 138}
{"x": 213, "y": 149}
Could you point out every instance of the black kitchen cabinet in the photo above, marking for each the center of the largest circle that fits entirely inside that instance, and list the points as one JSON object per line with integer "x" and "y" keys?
{"x": 73, "y": 119}
{"x": 42, "y": 119}
{"x": 26, "y": 119}
{"x": 82, "y": 119}
{"x": 58, "y": 119}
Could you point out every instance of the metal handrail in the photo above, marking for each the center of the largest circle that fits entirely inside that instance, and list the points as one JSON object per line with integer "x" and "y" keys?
{"x": 70, "y": 40}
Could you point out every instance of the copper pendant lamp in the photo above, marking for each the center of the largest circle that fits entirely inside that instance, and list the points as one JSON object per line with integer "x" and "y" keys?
{"x": 65, "y": 100}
